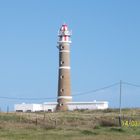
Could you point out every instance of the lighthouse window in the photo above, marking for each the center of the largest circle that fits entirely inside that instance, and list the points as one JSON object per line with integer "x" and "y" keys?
{"x": 61, "y": 104}
{"x": 61, "y": 90}
{"x": 62, "y": 76}
{"x": 62, "y": 47}
{"x": 62, "y": 62}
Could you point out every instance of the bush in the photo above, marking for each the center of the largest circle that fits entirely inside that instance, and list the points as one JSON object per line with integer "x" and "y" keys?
{"x": 117, "y": 129}
{"x": 108, "y": 123}
{"x": 88, "y": 132}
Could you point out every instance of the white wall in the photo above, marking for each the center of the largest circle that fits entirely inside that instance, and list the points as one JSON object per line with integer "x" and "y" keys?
{"x": 28, "y": 107}
{"x": 88, "y": 105}
{"x": 51, "y": 106}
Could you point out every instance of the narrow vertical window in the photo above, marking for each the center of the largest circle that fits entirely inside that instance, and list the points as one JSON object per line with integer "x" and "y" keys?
{"x": 61, "y": 90}
{"x": 62, "y": 47}
{"x": 62, "y": 62}
{"x": 62, "y": 76}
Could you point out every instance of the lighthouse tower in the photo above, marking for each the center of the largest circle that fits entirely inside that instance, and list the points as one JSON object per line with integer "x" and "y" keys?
{"x": 64, "y": 86}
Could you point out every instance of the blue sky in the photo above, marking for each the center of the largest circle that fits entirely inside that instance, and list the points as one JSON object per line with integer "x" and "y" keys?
{"x": 105, "y": 48}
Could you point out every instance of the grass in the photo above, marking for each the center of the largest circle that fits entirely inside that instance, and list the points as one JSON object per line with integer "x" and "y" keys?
{"x": 77, "y": 125}
{"x": 66, "y": 134}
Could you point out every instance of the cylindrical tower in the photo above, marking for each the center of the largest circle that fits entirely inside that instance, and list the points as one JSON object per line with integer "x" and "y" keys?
{"x": 64, "y": 85}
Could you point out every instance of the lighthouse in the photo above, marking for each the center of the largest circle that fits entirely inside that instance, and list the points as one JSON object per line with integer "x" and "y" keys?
{"x": 64, "y": 84}
{"x": 64, "y": 99}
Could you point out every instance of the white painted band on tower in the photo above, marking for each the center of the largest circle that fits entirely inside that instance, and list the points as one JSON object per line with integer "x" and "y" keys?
{"x": 64, "y": 41}
{"x": 65, "y": 67}
{"x": 65, "y": 51}
{"x": 64, "y": 97}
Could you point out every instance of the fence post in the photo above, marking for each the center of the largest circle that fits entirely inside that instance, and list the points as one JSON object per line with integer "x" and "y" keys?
{"x": 36, "y": 121}
{"x": 120, "y": 103}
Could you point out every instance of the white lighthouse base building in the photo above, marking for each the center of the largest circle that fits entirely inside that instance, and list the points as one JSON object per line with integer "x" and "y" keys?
{"x": 51, "y": 106}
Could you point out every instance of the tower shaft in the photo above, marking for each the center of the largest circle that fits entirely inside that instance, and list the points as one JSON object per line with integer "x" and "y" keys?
{"x": 64, "y": 84}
